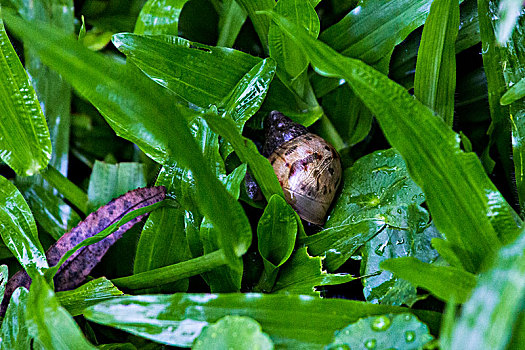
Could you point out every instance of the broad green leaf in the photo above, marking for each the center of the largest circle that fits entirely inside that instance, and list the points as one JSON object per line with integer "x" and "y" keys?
{"x": 468, "y": 220}
{"x": 4, "y": 275}
{"x": 109, "y": 181}
{"x": 247, "y": 97}
{"x": 302, "y": 273}
{"x": 160, "y": 17}
{"x": 14, "y": 332}
{"x": 449, "y": 283}
{"x": 96, "y": 39}
{"x": 200, "y": 74}
{"x": 403, "y": 331}
{"x": 435, "y": 79}
{"x": 91, "y": 293}
{"x": 260, "y": 23}
{"x": 276, "y": 232}
{"x": 68, "y": 189}
{"x": 413, "y": 239}
{"x": 179, "y": 318}
{"x": 18, "y": 229}
{"x": 487, "y": 319}
{"x": 231, "y": 21}
{"x": 25, "y": 144}
{"x": 509, "y": 11}
{"x": 50, "y": 272}
{"x": 517, "y": 123}
{"x": 48, "y": 322}
{"x": 233, "y": 333}
{"x": 144, "y": 113}
{"x": 291, "y": 61}
{"x": 376, "y": 192}
{"x": 53, "y": 92}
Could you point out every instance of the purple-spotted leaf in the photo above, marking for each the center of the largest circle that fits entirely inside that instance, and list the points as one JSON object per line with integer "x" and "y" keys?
{"x": 75, "y": 269}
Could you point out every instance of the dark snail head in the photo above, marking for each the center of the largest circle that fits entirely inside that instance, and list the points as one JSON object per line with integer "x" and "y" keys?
{"x": 280, "y": 129}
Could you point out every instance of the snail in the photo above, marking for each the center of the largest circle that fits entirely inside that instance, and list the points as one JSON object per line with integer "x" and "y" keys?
{"x": 308, "y": 168}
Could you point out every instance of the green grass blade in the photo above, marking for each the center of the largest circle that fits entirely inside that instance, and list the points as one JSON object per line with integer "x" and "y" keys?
{"x": 435, "y": 79}
{"x": 18, "y": 229}
{"x": 489, "y": 316}
{"x": 448, "y": 284}
{"x": 464, "y": 203}
{"x": 160, "y": 17}
{"x": 49, "y": 323}
{"x": 172, "y": 319}
{"x": 25, "y": 144}
{"x": 142, "y": 112}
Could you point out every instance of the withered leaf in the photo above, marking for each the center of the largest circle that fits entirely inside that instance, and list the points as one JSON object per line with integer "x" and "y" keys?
{"x": 75, "y": 270}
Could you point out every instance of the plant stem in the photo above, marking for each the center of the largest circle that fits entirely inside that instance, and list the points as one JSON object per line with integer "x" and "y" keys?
{"x": 67, "y": 189}
{"x": 327, "y": 131}
{"x": 172, "y": 273}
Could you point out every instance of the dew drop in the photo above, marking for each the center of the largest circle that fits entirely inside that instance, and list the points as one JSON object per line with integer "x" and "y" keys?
{"x": 381, "y": 323}
{"x": 370, "y": 343}
{"x": 410, "y": 336}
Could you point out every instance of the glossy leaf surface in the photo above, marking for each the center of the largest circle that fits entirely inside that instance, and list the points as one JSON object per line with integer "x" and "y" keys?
{"x": 179, "y": 318}
{"x": 435, "y": 79}
{"x": 14, "y": 330}
{"x": 49, "y": 323}
{"x": 233, "y": 332}
{"x": 25, "y": 144}
{"x": 260, "y": 23}
{"x": 467, "y": 220}
{"x": 160, "y": 17}
{"x": 487, "y": 317}
{"x": 90, "y": 293}
{"x": 509, "y": 11}
{"x": 200, "y": 74}
{"x": 276, "y": 232}
{"x": 453, "y": 284}
{"x": 18, "y": 229}
{"x": 302, "y": 273}
{"x": 403, "y": 331}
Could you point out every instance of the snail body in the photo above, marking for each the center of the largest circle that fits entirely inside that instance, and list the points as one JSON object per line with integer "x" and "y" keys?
{"x": 308, "y": 168}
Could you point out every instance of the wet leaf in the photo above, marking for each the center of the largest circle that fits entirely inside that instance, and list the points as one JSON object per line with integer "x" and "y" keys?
{"x": 467, "y": 220}
{"x": 49, "y": 323}
{"x": 25, "y": 144}
{"x": 435, "y": 78}
{"x": 302, "y": 273}
{"x": 260, "y": 23}
{"x": 291, "y": 61}
{"x": 453, "y": 284}
{"x": 90, "y": 293}
{"x": 488, "y": 317}
{"x": 414, "y": 239}
{"x": 200, "y": 74}
{"x": 276, "y": 232}
{"x": 179, "y": 318}
{"x": 18, "y": 229}
{"x": 231, "y": 20}
{"x": 14, "y": 332}
{"x": 160, "y": 17}
{"x": 233, "y": 332}
{"x": 516, "y": 92}
{"x": 402, "y": 331}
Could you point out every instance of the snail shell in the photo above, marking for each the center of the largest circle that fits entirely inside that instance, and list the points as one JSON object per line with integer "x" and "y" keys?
{"x": 308, "y": 168}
